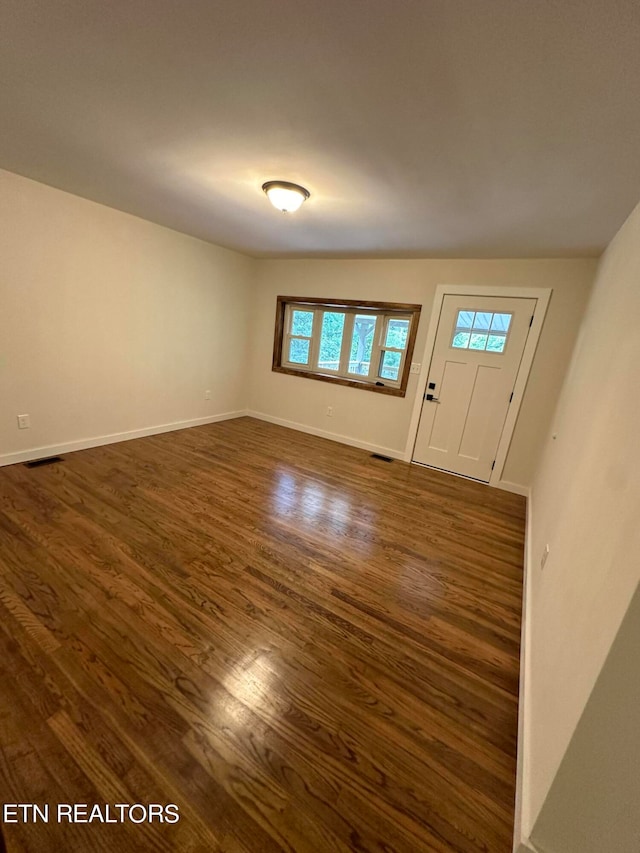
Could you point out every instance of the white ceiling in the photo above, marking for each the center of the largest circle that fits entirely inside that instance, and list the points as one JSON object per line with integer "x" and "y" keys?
{"x": 421, "y": 127}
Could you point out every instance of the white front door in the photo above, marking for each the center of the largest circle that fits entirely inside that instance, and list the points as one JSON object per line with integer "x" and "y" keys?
{"x": 476, "y": 357}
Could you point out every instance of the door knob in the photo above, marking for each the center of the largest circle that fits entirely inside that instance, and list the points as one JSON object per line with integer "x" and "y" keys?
{"x": 431, "y": 398}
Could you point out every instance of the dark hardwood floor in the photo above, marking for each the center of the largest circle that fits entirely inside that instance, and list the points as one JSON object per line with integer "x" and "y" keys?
{"x": 304, "y": 648}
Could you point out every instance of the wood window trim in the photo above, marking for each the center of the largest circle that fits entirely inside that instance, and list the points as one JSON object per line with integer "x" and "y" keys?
{"x": 335, "y": 304}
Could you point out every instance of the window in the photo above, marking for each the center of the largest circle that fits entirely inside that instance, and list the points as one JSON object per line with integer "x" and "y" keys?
{"x": 364, "y": 345}
{"x": 481, "y": 330}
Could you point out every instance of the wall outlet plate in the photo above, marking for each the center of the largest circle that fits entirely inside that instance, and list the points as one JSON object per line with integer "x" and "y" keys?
{"x": 329, "y": 411}
{"x": 24, "y": 421}
{"x": 415, "y": 367}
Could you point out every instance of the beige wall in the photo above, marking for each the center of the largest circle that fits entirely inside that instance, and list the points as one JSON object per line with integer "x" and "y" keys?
{"x": 110, "y": 324}
{"x": 381, "y": 421}
{"x": 592, "y": 806}
{"x": 586, "y": 499}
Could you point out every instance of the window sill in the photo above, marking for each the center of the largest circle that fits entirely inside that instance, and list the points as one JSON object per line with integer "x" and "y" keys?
{"x": 389, "y": 390}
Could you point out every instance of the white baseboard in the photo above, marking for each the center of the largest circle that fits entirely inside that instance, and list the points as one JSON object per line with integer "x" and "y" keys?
{"x": 332, "y": 436}
{"x": 365, "y": 445}
{"x": 522, "y": 823}
{"x": 113, "y": 438}
{"x": 516, "y": 488}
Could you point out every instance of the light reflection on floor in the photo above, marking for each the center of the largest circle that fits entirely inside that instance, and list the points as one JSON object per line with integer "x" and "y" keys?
{"x": 323, "y": 507}
{"x": 250, "y": 682}
{"x": 303, "y": 501}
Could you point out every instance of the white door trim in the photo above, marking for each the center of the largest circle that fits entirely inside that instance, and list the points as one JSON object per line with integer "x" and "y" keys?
{"x": 543, "y": 296}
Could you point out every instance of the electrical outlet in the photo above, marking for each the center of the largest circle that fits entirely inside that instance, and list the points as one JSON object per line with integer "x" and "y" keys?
{"x": 24, "y": 421}
{"x": 545, "y": 554}
{"x": 415, "y": 367}
{"x": 329, "y": 411}
{"x": 207, "y": 395}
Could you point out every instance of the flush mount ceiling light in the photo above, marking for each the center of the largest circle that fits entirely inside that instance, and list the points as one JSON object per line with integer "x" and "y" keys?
{"x": 285, "y": 196}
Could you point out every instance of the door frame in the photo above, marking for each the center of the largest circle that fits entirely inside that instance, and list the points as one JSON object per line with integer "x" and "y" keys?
{"x": 543, "y": 296}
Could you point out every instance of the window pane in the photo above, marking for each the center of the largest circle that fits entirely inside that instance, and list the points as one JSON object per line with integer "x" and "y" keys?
{"x": 299, "y": 351}
{"x": 465, "y": 319}
{"x": 361, "y": 344}
{"x": 478, "y": 342}
{"x": 331, "y": 340}
{"x": 501, "y": 322}
{"x": 397, "y": 332}
{"x": 390, "y": 365}
{"x": 483, "y": 320}
{"x": 302, "y": 323}
{"x": 460, "y": 340}
{"x": 496, "y": 343}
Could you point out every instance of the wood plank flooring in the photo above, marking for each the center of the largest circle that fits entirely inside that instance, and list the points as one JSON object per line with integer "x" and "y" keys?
{"x": 302, "y": 647}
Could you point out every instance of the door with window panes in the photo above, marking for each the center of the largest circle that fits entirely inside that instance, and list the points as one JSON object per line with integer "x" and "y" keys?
{"x": 476, "y": 357}
{"x": 349, "y": 343}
